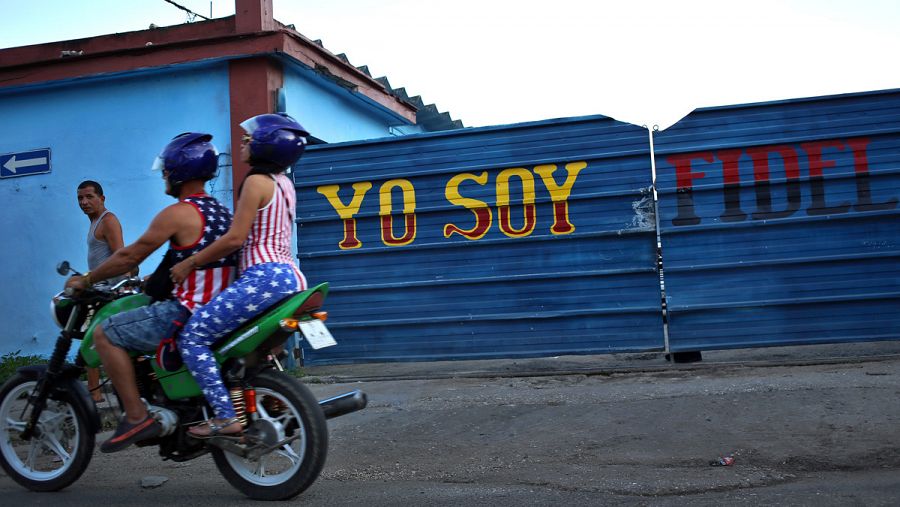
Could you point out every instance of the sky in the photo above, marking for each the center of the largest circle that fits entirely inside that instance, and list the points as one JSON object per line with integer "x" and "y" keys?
{"x": 493, "y": 62}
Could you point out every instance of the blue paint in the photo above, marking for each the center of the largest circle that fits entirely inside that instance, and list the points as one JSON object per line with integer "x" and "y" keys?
{"x": 592, "y": 290}
{"x": 802, "y": 258}
{"x": 108, "y": 130}
{"x": 332, "y": 113}
{"x": 25, "y": 163}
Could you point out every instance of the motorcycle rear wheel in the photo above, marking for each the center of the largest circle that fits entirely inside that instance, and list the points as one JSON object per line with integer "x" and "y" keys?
{"x": 285, "y": 408}
{"x": 59, "y": 452}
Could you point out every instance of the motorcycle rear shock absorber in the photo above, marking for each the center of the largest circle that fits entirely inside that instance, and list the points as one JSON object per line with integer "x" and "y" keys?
{"x": 237, "y": 400}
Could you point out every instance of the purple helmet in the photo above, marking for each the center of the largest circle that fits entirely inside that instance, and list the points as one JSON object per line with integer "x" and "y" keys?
{"x": 275, "y": 139}
{"x": 188, "y": 156}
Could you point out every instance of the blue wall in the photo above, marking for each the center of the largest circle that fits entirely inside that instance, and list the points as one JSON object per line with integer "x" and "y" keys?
{"x": 332, "y": 113}
{"x": 110, "y": 129}
{"x": 107, "y": 130}
{"x": 780, "y": 222}
{"x": 582, "y": 279}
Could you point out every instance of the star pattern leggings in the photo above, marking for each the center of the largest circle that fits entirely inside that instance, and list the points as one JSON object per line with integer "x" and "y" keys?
{"x": 258, "y": 288}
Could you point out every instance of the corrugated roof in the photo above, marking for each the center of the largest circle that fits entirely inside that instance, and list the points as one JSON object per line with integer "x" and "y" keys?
{"x": 427, "y": 115}
{"x": 203, "y": 40}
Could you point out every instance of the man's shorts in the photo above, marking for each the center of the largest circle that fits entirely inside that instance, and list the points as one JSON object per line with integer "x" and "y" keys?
{"x": 141, "y": 329}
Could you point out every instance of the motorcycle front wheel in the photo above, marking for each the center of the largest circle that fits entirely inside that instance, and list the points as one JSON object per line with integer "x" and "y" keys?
{"x": 61, "y": 448}
{"x": 290, "y": 422}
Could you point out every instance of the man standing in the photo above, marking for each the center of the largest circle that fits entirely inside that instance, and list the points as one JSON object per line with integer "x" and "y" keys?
{"x": 104, "y": 237}
{"x": 195, "y": 221}
{"x": 105, "y": 233}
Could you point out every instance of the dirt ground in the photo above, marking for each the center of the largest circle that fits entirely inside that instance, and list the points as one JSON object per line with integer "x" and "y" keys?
{"x": 801, "y": 432}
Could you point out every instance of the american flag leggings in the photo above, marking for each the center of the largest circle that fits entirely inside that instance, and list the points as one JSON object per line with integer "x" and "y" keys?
{"x": 259, "y": 287}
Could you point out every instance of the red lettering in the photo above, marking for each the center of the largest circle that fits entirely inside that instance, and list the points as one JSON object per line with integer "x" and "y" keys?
{"x": 817, "y": 180}
{"x": 684, "y": 181}
{"x": 350, "y": 240}
{"x": 684, "y": 177}
{"x": 863, "y": 186}
{"x": 731, "y": 191}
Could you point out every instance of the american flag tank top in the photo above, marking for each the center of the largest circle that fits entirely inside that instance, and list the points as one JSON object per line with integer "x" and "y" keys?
{"x": 205, "y": 282}
{"x": 270, "y": 235}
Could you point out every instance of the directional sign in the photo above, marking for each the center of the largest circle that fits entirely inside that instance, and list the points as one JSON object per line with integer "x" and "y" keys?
{"x": 25, "y": 163}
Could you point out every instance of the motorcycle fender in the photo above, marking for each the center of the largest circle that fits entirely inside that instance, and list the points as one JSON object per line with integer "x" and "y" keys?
{"x": 70, "y": 383}
{"x": 253, "y": 334}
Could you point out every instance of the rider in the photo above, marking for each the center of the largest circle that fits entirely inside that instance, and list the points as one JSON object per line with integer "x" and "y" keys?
{"x": 263, "y": 224}
{"x": 187, "y": 163}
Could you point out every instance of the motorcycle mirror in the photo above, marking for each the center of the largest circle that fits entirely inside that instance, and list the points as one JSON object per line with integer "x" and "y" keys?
{"x": 64, "y": 269}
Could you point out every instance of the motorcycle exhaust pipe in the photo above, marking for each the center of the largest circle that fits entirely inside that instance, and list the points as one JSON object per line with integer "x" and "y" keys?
{"x": 343, "y": 404}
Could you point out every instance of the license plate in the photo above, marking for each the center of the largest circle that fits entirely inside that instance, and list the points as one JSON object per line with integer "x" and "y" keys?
{"x": 317, "y": 335}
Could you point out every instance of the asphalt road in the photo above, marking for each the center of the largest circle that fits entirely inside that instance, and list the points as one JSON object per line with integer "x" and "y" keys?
{"x": 802, "y": 433}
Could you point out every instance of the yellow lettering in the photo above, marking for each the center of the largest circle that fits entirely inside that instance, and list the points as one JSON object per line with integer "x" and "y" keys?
{"x": 559, "y": 194}
{"x": 347, "y": 211}
{"x": 503, "y": 201}
{"x": 480, "y": 209}
{"x": 409, "y": 213}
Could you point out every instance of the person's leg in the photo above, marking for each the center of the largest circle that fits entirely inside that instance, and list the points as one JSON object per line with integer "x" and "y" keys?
{"x": 93, "y": 382}
{"x": 256, "y": 290}
{"x": 139, "y": 330}
{"x": 118, "y": 366}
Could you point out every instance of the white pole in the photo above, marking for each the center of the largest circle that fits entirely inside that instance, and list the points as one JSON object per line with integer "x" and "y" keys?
{"x": 662, "y": 284}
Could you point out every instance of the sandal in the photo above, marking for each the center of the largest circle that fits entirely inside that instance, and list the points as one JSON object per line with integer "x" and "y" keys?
{"x": 211, "y": 429}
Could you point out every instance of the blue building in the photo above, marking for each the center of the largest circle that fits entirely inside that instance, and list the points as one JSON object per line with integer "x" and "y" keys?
{"x": 101, "y": 108}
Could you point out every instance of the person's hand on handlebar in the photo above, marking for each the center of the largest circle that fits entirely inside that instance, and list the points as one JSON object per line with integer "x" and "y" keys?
{"x": 78, "y": 283}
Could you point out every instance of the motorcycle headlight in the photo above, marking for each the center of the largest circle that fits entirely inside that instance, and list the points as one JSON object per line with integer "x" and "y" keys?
{"x": 60, "y": 308}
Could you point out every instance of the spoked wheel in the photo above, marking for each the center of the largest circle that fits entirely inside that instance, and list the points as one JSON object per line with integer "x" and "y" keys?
{"x": 288, "y": 421}
{"x": 60, "y": 450}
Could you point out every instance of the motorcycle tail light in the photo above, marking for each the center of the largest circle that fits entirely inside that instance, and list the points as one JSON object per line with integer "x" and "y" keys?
{"x": 288, "y": 325}
{"x": 313, "y": 302}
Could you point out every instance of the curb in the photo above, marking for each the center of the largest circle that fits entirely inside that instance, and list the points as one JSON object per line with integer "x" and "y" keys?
{"x": 594, "y": 371}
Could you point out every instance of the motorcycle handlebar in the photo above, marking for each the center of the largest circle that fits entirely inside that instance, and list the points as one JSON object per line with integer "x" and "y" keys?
{"x": 102, "y": 288}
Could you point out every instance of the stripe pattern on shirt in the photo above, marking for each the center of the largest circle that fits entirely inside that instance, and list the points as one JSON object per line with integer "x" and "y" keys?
{"x": 270, "y": 235}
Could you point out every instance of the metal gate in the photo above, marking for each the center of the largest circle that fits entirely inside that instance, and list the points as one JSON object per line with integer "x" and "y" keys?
{"x": 526, "y": 240}
{"x": 779, "y": 222}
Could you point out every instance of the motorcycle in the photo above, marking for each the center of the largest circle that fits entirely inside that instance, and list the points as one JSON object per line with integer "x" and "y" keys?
{"x": 48, "y": 420}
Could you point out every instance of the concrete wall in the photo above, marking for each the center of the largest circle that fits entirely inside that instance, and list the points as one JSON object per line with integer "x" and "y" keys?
{"x": 108, "y": 130}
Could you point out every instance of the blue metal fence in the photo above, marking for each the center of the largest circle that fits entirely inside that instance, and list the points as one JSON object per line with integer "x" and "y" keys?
{"x": 780, "y": 221}
{"x": 525, "y": 240}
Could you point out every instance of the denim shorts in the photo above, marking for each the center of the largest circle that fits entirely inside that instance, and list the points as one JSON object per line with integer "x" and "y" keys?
{"x": 142, "y": 329}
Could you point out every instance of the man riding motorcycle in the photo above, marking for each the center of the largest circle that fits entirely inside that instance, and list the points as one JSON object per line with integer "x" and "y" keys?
{"x": 195, "y": 221}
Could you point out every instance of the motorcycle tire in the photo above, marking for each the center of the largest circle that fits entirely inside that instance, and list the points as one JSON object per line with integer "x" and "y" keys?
{"x": 62, "y": 449}
{"x": 285, "y": 408}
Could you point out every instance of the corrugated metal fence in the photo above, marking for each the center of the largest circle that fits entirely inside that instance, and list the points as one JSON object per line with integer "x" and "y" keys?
{"x": 778, "y": 223}
{"x": 524, "y": 240}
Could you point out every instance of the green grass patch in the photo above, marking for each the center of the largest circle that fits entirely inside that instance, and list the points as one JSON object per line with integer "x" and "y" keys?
{"x": 12, "y": 361}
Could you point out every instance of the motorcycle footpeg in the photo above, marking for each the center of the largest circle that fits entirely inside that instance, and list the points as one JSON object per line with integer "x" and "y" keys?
{"x": 228, "y": 444}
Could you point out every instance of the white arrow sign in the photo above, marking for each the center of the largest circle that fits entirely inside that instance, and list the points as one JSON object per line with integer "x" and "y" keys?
{"x": 12, "y": 164}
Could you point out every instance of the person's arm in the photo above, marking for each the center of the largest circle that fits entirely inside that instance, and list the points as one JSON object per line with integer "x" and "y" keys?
{"x": 125, "y": 259}
{"x": 257, "y": 191}
{"x": 111, "y": 232}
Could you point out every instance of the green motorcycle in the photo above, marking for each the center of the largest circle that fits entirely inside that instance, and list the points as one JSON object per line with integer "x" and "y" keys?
{"x": 48, "y": 420}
